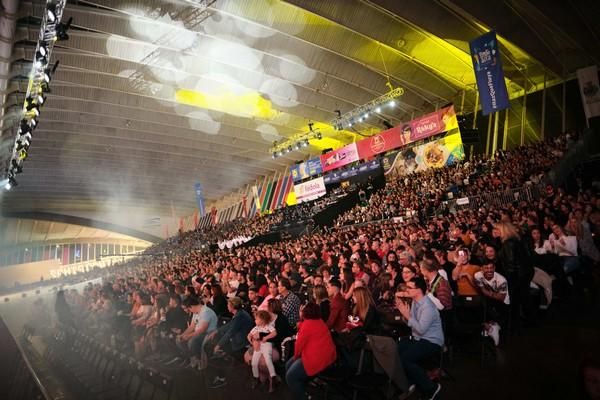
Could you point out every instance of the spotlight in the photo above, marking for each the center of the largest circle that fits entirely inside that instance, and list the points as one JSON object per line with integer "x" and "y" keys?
{"x": 40, "y": 99}
{"x": 378, "y": 110}
{"x": 360, "y": 119}
{"x": 305, "y": 144}
{"x": 51, "y": 13}
{"x": 338, "y": 112}
{"x": 62, "y": 29}
{"x": 289, "y": 149}
{"x": 40, "y": 62}
{"x": 279, "y": 153}
{"x": 42, "y": 51}
{"x": 274, "y": 155}
{"x": 319, "y": 136}
{"x": 366, "y": 115}
{"x": 310, "y": 126}
{"x": 392, "y": 103}
{"x": 350, "y": 124}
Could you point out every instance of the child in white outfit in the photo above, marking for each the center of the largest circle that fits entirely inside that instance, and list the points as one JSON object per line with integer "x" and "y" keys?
{"x": 258, "y": 337}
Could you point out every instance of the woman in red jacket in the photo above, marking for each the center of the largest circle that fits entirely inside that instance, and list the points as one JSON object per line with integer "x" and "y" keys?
{"x": 314, "y": 350}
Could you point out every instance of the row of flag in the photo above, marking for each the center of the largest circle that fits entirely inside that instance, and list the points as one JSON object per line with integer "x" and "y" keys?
{"x": 266, "y": 197}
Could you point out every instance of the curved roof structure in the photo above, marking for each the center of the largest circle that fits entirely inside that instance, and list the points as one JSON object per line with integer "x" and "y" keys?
{"x": 152, "y": 96}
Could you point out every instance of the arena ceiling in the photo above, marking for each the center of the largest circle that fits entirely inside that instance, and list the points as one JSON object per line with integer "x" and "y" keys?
{"x": 153, "y": 96}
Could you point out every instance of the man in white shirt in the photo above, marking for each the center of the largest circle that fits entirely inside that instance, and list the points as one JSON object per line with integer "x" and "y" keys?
{"x": 494, "y": 289}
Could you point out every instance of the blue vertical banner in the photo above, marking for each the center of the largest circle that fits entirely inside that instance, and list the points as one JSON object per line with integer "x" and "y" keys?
{"x": 199, "y": 198}
{"x": 485, "y": 53}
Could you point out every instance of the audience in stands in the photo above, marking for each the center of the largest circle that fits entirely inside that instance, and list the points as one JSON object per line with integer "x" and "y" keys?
{"x": 407, "y": 277}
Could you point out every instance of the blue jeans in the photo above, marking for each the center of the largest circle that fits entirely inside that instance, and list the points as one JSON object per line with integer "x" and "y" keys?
{"x": 296, "y": 378}
{"x": 413, "y": 351}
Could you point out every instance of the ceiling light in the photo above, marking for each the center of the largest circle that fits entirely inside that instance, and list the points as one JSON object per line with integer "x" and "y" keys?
{"x": 360, "y": 119}
{"x": 289, "y": 149}
{"x": 51, "y": 12}
{"x": 274, "y": 155}
{"x": 297, "y": 146}
{"x": 366, "y": 115}
{"x": 392, "y": 103}
{"x": 378, "y": 110}
{"x": 319, "y": 136}
{"x": 305, "y": 144}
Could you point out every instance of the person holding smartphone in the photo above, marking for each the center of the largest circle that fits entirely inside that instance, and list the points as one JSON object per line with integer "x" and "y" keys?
{"x": 464, "y": 274}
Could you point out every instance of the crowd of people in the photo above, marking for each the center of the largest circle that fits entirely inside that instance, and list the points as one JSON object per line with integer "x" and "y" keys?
{"x": 413, "y": 280}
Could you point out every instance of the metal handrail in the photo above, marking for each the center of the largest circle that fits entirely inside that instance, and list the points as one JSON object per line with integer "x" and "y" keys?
{"x": 17, "y": 378}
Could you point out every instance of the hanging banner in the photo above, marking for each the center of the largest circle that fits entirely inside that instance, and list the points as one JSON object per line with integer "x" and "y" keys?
{"x": 435, "y": 154}
{"x": 485, "y": 53}
{"x": 590, "y": 90}
{"x": 199, "y": 198}
{"x": 340, "y": 157}
{"x": 442, "y": 120}
{"x": 380, "y": 143}
{"x": 306, "y": 169}
{"x": 310, "y": 190}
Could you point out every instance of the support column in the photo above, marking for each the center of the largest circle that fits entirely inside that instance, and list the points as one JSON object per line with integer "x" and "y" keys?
{"x": 489, "y": 132}
{"x": 523, "y": 115}
{"x": 543, "y": 124}
{"x": 505, "y": 131}
{"x": 495, "y": 137}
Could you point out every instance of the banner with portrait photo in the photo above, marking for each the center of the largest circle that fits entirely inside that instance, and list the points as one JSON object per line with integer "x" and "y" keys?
{"x": 435, "y": 154}
{"x": 306, "y": 169}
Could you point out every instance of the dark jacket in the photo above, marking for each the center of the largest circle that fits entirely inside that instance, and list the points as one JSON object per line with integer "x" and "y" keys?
{"x": 235, "y": 332}
{"x": 514, "y": 259}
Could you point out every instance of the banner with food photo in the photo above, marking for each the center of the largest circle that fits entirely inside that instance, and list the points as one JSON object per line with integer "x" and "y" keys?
{"x": 435, "y": 154}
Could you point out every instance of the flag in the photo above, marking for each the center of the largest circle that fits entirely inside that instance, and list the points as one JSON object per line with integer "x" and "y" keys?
{"x": 244, "y": 206}
{"x": 256, "y": 206}
{"x": 487, "y": 64}
{"x": 276, "y": 191}
{"x": 268, "y": 195}
{"x": 590, "y": 90}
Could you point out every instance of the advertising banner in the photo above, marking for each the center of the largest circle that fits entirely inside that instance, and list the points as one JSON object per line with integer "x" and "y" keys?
{"x": 442, "y": 120}
{"x": 435, "y": 154}
{"x": 380, "y": 143}
{"x": 310, "y": 190}
{"x": 340, "y": 157}
{"x": 489, "y": 74}
{"x": 590, "y": 91}
{"x": 307, "y": 169}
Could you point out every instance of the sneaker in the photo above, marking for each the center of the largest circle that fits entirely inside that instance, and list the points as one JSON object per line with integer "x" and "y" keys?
{"x": 494, "y": 333}
{"x": 436, "y": 392}
{"x": 217, "y": 383}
